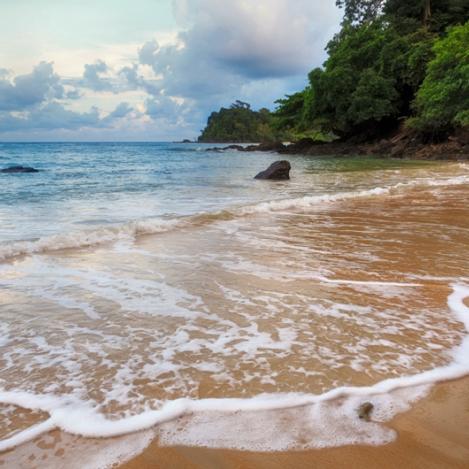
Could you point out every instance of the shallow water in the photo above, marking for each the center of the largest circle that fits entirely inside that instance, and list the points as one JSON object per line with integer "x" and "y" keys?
{"x": 135, "y": 277}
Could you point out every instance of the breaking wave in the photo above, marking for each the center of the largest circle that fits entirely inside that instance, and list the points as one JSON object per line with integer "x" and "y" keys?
{"x": 133, "y": 229}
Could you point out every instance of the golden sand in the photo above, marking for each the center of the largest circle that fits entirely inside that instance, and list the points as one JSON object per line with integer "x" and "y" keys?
{"x": 434, "y": 434}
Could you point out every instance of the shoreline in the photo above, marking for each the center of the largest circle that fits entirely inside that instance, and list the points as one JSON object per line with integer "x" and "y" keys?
{"x": 401, "y": 146}
{"x": 434, "y": 433}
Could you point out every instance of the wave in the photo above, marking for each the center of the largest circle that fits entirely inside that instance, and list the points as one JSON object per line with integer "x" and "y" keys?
{"x": 133, "y": 229}
{"x": 333, "y": 413}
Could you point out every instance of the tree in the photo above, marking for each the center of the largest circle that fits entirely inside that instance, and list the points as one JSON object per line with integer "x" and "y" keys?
{"x": 442, "y": 102}
{"x": 288, "y": 114}
{"x": 239, "y": 123}
{"x": 435, "y": 15}
{"x": 360, "y": 11}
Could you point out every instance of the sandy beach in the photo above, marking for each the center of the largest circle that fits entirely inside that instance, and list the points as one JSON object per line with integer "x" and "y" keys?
{"x": 256, "y": 331}
{"x": 433, "y": 434}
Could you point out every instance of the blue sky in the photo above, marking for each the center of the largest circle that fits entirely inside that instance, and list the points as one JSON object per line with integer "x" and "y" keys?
{"x": 149, "y": 69}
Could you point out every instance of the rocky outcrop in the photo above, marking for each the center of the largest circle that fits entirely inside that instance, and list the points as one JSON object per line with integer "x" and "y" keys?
{"x": 274, "y": 146}
{"x": 404, "y": 144}
{"x": 280, "y": 170}
{"x": 299, "y": 147}
{"x": 278, "y": 147}
{"x": 19, "y": 169}
{"x": 365, "y": 411}
{"x": 229, "y": 147}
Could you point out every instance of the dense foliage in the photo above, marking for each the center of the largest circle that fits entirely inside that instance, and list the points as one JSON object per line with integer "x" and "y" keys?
{"x": 239, "y": 123}
{"x": 442, "y": 102}
{"x": 394, "y": 62}
{"x": 392, "y": 59}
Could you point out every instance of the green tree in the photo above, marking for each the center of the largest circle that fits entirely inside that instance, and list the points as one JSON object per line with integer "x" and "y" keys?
{"x": 435, "y": 15}
{"x": 289, "y": 111}
{"x": 359, "y": 11}
{"x": 239, "y": 123}
{"x": 442, "y": 102}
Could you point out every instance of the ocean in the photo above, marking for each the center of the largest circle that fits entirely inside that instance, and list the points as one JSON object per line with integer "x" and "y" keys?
{"x": 157, "y": 291}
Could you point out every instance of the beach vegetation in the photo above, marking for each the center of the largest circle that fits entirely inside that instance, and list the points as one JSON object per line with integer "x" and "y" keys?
{"x": 393, "y": 65}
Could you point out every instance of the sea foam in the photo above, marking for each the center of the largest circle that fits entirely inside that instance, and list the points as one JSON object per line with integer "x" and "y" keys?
{"x": 330, "y": 419}
{"x": 131, "y": 230}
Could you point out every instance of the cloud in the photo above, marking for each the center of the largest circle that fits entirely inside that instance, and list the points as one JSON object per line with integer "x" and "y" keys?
{"x": 26, "y": 91}
{"x": 54, "y": 116}
{"x": 238, "y": 49}
{"x": 255, "y": 51}
{"x": 93, "y": 77}
{"x": 266, "y": 38}
{"x": 228, "y": 43}
{"x": 122, "y": 110}
{"x": 36, "y": 101}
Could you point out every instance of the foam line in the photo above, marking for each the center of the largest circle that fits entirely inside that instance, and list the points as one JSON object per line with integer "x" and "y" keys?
{"x": 131, "y": 230}
{"x": 365, "y": 282}
{"x": 79, "y": 419}
{"x": 27, "y": 435}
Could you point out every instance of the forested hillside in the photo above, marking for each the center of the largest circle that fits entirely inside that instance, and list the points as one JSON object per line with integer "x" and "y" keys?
{"x": 394, "y": 65}
{"x": 239, "y": 123}
{"x": 393, "y": 62}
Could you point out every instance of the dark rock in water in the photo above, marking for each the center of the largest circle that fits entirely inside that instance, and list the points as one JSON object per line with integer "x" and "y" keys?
{"x": 229, "y": 147}
{"x": 19, "y": 169}
{"x": 365, "y": 410}
{"x": 186, "y": 141}
{"x": 300, "y": 147}
{"x": 275, "y": 146}
{"x": 235, "y": 147}
{"x": 280, "y": 170}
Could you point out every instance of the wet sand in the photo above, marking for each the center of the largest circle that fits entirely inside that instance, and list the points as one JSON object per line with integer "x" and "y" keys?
{"x": 433, "y": 434}
{"x": 301, "y": 296}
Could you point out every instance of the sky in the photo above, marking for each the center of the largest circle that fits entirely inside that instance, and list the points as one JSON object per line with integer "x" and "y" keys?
{"x": 149, "y": 70}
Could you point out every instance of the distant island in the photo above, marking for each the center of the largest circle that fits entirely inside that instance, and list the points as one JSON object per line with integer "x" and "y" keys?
{"x": 238, "y": 124}
{"x": 397, "y": 74}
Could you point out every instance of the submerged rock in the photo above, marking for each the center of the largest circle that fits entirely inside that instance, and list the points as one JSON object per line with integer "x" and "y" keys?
{"x": 268, "y": 146}
{"x": 365, "y": 410}
{"x": 19, "y": 169}
{"x": 271, "y": 147}
{"x": 280, "y": 170}
{"x": 229, "y": 147}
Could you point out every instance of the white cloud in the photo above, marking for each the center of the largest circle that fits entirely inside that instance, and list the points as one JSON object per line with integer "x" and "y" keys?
{"x": 223, "y": 50}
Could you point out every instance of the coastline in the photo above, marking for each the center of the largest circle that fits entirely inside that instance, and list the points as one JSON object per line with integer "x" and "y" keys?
{"x": 434, "y": 433}
{"x": 401, "y": 146}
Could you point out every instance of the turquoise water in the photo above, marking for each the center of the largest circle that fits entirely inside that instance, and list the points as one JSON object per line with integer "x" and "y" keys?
{"x": 84, "y": 185}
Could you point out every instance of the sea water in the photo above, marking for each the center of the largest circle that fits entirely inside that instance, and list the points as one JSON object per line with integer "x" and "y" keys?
{"x": 158, "y": 291}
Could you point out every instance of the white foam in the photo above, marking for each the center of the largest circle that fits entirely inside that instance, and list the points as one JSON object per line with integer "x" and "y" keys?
{"x": 81, "y": 239}
{"x": 331, "y": 416}
{"x": 129, "y": 231}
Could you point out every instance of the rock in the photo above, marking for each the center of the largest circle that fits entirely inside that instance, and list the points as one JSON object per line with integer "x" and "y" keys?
{"x": 19, "y": 169}
{"x": 274, "y": 147}
{"x": 229, "y": 147}
{"x": 280, "y": 170}
{"x": 186, "y": 141}
{"x": 300, "y": 147}
{"x": 235, "y": 147}
{"x": 462, "y": 135}
{"x": 365, "y": 410}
